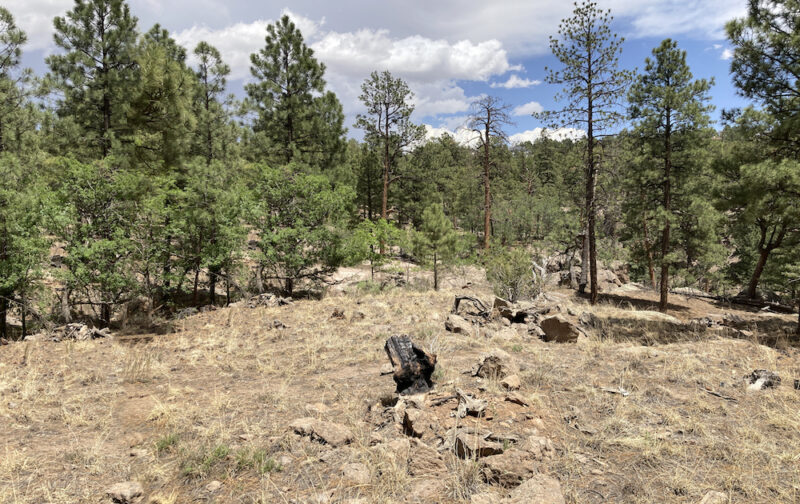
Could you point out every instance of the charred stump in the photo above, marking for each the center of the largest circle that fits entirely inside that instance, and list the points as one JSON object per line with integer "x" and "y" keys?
{"x": 412, "y": 365}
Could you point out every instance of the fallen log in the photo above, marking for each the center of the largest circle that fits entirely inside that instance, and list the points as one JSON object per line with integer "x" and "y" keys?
{"x": 412, "y": 365}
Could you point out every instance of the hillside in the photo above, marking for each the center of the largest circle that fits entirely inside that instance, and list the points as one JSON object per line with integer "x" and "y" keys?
{"x": 211, "y": 411}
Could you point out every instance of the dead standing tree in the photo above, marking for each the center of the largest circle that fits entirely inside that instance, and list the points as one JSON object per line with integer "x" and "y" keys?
{"x": 489, "y": 115}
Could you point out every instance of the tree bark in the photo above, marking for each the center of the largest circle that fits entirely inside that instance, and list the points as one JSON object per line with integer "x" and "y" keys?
{"x": 435, "y": 273}
{"x": 487, "y": 197}
{"x": 753, "y": 285}
{"x": 212, "y": 286}
{"x": 664, "y": 301}
{"x": 3, "y": 314}
{"x": 584, "y": 279}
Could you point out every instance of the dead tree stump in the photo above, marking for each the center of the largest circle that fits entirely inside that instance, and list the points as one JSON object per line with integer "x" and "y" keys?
{"x": 412, "y": 365}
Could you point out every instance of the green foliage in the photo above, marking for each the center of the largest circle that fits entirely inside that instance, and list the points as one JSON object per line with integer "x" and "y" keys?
{"x": 435, "y": 241}
{"x": 297, "y": 119}
{"x": 96, "y": 70}
{"x": 766, "y": 64}
{"x": 387, "y": 124}
{"x": 366, "y": 241}
{"x": 295, "y": 214}
{"x": 96, "y": 212}
{"x": 510, "y": 271}
{"x": 22, "y": 242}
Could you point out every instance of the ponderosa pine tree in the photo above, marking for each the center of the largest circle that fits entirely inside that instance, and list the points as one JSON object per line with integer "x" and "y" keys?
{"x": 766, "y": 64}
{"x": 671, "y": 113}
{"x": 593, "y": 85}
{"x": 489, "y": 116}
{"x": 387, "y": 124}
{"x": 13, "y": 95}
{"x": 210, "y": 103}
{"x": 297, "y": 119}
{"x": 435, "y": 241}
{"x": 96, "y": 71}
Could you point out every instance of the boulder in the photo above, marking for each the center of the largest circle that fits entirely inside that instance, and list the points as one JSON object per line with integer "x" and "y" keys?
{"x": 457, "y": 324}
{"x": 508, "y": 469}
{"x": 125, "y": 493}
{"x": 511, "y": 382}
{"x": 560, "y": 330}
{"x": 496, "y": 364}
{"x": 328, "y": 433}
{"x": 540, "y": 489}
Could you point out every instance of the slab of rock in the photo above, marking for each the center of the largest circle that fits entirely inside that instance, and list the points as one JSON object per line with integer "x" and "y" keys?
{"x": 419, "y": 424}
{"x": 355, "y": 473}
{"x": 540, "y": 448}
{"x": 457, "y": 324}
{"x": 125, "y": 493}
{"x": 496, "y": 364}
{"x": 540, "y": 489}
{"x": 762, "y": 379}
{"x": 714, "y": 497}
{"x": 329, "y": 433}
{"x": 560, "y": 330}
{"x": 473, "y": 445}
{"x": 509, "y": 469}
{"x": 511, "y": 382}
{"x": 424, "y": 460}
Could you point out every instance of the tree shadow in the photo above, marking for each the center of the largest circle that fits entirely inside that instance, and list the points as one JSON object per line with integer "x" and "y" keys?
{"x": 634, "y": 302}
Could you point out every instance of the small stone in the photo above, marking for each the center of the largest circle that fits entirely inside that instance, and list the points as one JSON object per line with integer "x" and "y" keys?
{"x": 338, "y": 313}
{"x": 319, "y": 409}
{"x": 761, "y": 379}
{"x": 213, "y": 486}
{"x": 419, "y": 424}
{"x": 540, "y": 448}
{"x": 426, "y": 491}
{"x": 357, "y": 316}
{"x": 125, "y": 493}
{"x": 540, "y": 489}
{"x": 485, "y": 497}
{"x": 714, "y": 497}
{"x": 356, "y": 473}
{"x": 511, "y": 382}
{"x": 387, "y": 369}
{"x": 517, "y": 398}
{"x": 495, "y": 364}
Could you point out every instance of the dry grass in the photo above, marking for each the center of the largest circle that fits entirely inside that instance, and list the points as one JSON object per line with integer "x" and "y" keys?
{"x": 212, "y": 401}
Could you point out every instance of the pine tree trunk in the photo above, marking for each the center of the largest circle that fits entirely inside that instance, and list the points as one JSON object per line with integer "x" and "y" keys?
{"x": 3, "y": 314}
{"x": 23, "y": 315}
{"x": 65, "y": 313}
{"x": 212, "y": 286}
{"x": 584, "y": 279}
{"x": 752, "y": 287}
{"x": 435, "y": 273}
{"x": 194, "y": 290}
{"x": 590, "y": 209}
{"x": 289, "y": 286}
{"x": 664, "y": 301}
{"x": 259, "y": 280}
{"x": 487, "y": 197}
{"x": 105, "y": 314}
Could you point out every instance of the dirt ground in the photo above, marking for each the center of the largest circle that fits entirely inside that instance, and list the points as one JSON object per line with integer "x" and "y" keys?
{"x": 212, "y": 402}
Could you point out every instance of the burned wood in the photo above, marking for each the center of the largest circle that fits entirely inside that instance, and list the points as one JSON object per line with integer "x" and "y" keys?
{"x": 412, "y": 365}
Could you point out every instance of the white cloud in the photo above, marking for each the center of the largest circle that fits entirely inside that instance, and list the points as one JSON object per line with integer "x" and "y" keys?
{"x": 463, "y": 136}
{"x": 537, "y": 133}
{"x": 527, "y": 109}
{"x": 515, "y": 81}
{"x": 35, "y": 17}
{"x": 431, "y": 67}
{"x": 727, "y": 54}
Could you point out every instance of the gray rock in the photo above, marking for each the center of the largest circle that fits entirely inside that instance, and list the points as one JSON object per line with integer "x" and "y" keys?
{"x": 457, "y": 324}
{"x": 324, "y": 432}
{"x": 714, "y": 497}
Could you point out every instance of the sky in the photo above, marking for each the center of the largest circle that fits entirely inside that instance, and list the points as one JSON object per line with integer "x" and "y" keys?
{"x": 451, "y": 52}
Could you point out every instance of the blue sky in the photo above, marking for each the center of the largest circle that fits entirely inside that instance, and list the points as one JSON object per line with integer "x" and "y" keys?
{"x": 450, "y": 51}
